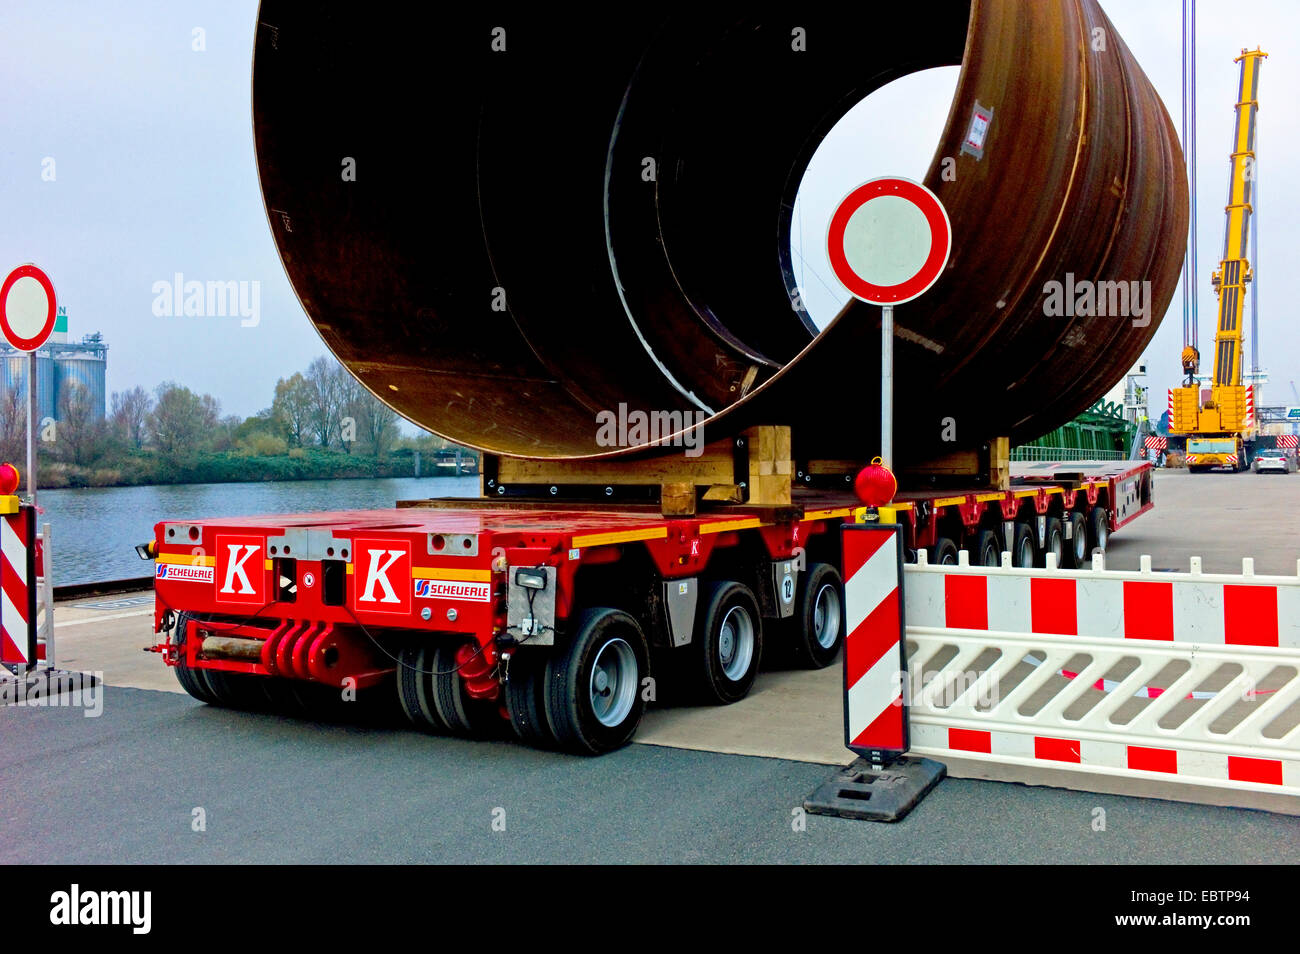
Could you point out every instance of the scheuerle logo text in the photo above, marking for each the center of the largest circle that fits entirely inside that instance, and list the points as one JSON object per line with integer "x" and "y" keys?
{"x": 97, "y": 908}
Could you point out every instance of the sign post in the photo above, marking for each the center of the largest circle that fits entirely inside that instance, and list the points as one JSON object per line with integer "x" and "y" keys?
{"x": 888, "y": 242}
{"x": 28, "y": 311}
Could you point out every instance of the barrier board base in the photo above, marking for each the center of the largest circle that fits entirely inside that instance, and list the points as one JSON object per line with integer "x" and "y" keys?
{"x": 861, "y": 790}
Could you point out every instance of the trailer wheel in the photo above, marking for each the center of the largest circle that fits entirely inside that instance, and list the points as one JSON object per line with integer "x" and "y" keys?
{"x": 1099, "y": 529}
{"x": 191, "y": 680}
{"x": 943, "y": 553}
{"x": 1024, "y": 553}
{"x": 461, "y": 713}
{"x": 234, "y": 690}
{"x": 415, "y": 688}
{"x": 1055, "y": 542}
{"x": 987, "y": 550}
{"x": 818, "y": 624}
{"x": 728, "y": 643}
{"x": 1076, "y": 557}
{"x": 526, "y": 698}
{"x": 592, "y": 687}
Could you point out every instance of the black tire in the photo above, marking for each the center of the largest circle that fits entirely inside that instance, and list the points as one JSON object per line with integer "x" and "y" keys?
{"x": 415, "y": 688}
{"x": 462, "y": 714}
{"x": 1076, "y": 553}
{"x": 612, "y": 642}
{"x": 191, "y": 680}
{"x": 1054, "y": 542}
{"x": 1098, "y": 529}
{"x": 727, "y": 646}
{"x": 943, "y": 553}
{"x": 1024, "y": 548}
{"x": 234, "y": 690}
{"x": 987, "y": 549}
{"x": 526, "y": 698}
{"x": 817, "y": 628}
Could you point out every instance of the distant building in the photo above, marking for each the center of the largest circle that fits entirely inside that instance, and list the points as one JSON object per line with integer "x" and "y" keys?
{"x": 59, "y": 365}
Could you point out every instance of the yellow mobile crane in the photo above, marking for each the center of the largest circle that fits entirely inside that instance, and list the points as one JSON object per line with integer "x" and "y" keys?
{"x": 1220, "y": 430}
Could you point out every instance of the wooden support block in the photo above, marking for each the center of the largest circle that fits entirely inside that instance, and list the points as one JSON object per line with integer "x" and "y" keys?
{"x": 677, "y": 499}
{"x": 759, "y": 472}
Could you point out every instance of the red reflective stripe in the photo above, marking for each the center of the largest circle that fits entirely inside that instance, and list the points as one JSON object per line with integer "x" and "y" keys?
{"x": 966, "y": 601}
{"x": 876, "y": 635}
{"x": 886, "y": 730}
{"x": 860, "y": 546}
{"x": 1250, "y": 615}
{"x": 1152, "y": 760}
{"x": 1052, "y": 607}
{"x": 1267, "y": 771}
{"x": 1056, "y": 750}
{"x": 1148, "y": 610}
{"x": 970, "y": 740}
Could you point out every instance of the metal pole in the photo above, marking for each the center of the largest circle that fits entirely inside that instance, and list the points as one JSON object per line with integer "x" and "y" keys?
{"x": 1191, "y": 169}
{"x": 887, "y": 386}
{"x": 31, "y": 426}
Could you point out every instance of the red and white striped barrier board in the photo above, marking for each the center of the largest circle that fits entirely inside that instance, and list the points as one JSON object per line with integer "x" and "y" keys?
{"x": 1185, "y": 678}
{"x": 1157, "y": 443}
{"x": 1181, "y": 607}
{"x": 18, "y": 648}
{"x": 875, "y": 716}
{"x": 1288, "y": 440}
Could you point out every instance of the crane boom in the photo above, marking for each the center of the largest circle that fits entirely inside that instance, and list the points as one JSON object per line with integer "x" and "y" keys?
{"x": 1234, "y": 270}
{"x": 1220, "y": 422}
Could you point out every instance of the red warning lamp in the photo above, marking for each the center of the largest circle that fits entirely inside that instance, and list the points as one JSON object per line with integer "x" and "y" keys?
{"x": 9, "y": 479}
{"x": 875, "y": 484}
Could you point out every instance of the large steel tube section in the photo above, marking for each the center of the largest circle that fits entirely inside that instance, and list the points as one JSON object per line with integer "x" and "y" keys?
{"x": 554, "y": 216}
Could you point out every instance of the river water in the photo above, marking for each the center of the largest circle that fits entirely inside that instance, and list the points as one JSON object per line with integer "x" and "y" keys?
{"x": 95, "y": 530}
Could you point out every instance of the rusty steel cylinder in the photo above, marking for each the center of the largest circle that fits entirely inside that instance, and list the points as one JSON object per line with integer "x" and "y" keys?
{"x": 506, "y": 223}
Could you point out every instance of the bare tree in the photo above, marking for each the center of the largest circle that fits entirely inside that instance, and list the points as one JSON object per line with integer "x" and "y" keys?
{"x": 322, "y": 374}
{"x": 352, "y": 398}
{"x": 293, "y": 407}
{"x": 13, "y": 425}
{"x": 130, "y": 415}
{"x": 79, "y": 435}
{"x": 378, "y": 425}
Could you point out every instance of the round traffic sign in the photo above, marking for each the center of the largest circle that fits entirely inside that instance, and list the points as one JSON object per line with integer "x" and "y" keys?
{"x": 27, "y": 307}
{"x": 889, "y": 240}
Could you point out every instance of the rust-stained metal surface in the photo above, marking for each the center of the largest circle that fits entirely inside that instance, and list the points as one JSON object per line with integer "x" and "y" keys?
{"x": 508, "y": 262}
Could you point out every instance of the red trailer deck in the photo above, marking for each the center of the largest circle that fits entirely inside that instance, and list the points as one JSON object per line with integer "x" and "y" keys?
{"x": 549, "y": 616}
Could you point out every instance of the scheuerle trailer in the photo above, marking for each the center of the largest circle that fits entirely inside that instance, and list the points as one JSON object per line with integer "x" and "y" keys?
{"x": 564, "y": 621}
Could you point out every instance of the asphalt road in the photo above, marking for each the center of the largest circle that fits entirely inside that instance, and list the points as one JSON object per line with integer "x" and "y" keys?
{"x": 711, "y": 785}
{"x": 1219, "y": 517}
{"x": 124, "y": 787}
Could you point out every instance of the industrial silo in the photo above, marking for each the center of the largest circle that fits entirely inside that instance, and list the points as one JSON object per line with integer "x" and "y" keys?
{"x": 13, "y": 369}
{"x": 85, "y": 369}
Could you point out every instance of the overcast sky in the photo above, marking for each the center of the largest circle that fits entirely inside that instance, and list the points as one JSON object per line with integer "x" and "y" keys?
{"x": 154, "y": 175}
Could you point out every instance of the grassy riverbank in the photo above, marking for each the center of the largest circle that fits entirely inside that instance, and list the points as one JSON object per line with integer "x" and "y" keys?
{"x": 147, "y": 468}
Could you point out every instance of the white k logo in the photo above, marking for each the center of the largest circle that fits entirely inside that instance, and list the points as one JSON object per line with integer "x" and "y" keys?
{"x": 235, "y": 567}
{"x": 379, "y": 574}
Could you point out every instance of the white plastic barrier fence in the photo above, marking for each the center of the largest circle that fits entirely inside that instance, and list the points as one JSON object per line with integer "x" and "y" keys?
{"x": 1178, "y": 677}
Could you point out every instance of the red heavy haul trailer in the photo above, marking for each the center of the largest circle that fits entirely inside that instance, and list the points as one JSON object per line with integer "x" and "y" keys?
{"x": 654, "y": 272}
{"x": 564, "y": 620}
